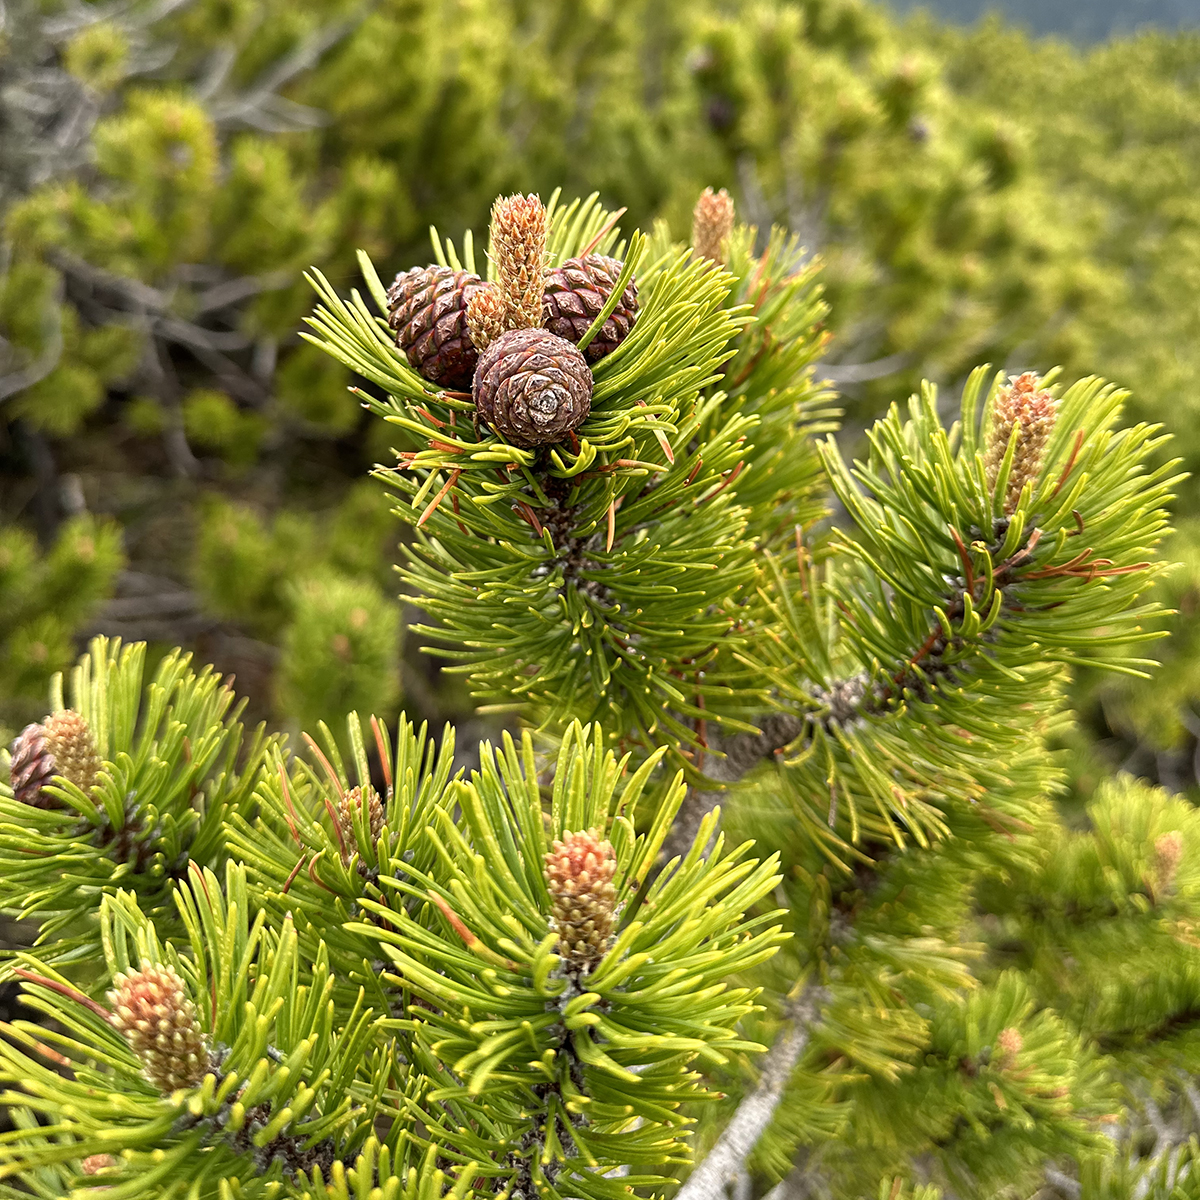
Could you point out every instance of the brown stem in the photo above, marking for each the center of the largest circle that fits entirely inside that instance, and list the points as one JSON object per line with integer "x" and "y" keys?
{"x": 726, "y": 761}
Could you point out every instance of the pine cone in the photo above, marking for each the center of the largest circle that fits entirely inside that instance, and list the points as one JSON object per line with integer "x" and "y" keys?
{"x": 575, "y": 294}
{"x": 518, "y": 250}
{"x": 1009, "y": 1043}
{"x": 579, "y": 872}
{"x": 427, "y": 307}
{"x": 1168, "y": 854}
{"x": 348, "y": 809}
{"x": 712, "y": 223}
{"x": 61, "y": 745}
{"x": 485, "y": 316}
{"x": 1033, "y": 409}
{"x": 532, "y": 387}
{"x": 152, "y": 1009}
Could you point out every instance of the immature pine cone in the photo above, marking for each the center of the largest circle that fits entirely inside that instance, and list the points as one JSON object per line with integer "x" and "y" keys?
{"x": 61, "y": 745}
{"x": 1021, "y": 404}
{"x": 485, "y": 316}
{"x": 579, "y": 872}
{"x": 427, "y": 307}
{"x": 518, "y": 249}
{"x": 575, "y": 294}
{"x": 712, "y": 223}
{"x": 152, "y": 1010}
{"x": 1168, "y": 853}
{"x": 1009, "y": 1043}
{"x": 348, "y": 808}
{"x": 532, "y": 387}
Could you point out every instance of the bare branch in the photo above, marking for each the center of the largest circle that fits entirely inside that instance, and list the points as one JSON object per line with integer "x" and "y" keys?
{"x": 233, "y": 291}
{"x": 172, "y": 329}
{"x": 863, "y": 372}
{"x": 261, "y": 107}
{"x": 45, "y": 362}
{"x": 82, "y": 16}
{"x": 1064, "y": 1183}
{"x": 727, "y": 761}
{"x": 726, "y": 1161}
{"x": 140, "y": 296}
{"x": 216, "y": 72}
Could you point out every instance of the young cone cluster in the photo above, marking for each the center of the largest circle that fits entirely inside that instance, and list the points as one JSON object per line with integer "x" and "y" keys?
{"x": 1031, "y": 410}
{"x": 454, "y": 328}
{"x": 348, "y": 808}
{"x": 152, "y": 1009}
{"x": 712, "y": 223}
{"x": 579, "y": 872}
{"x": 61, "y": 745}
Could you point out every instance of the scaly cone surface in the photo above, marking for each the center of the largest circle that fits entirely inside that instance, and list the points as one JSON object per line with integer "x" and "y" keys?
{"x": 532, "y": 387}
{"x": 578, "y": 290}
{"x": 61, "y": 745}
{"x": 1028, "y": 408}
{"x": 519, "y": 227}
{"x": 579, "y": 872}
{"x": 152, "y": 1009}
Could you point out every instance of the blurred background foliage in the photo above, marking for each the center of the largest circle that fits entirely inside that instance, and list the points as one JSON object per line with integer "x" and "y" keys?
{"x": 176, "y": 465}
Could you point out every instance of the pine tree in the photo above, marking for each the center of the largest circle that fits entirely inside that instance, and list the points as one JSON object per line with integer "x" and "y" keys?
{"x": 356, "y": 966}
{"x": 167, "y": 174}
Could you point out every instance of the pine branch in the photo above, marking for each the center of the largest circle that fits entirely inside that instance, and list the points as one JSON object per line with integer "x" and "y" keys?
{"x": 1064, "y": 1183}
{"x": 727, "y": 761}
{"x": 854, "y": 697}
{"x": 864, "y": 372}
{"x": 47, "y": 359}
{"x": 726, "y": 1161}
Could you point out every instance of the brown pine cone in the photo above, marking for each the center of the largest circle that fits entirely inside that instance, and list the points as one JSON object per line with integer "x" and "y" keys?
{"x": 579, "y": 872}
{"x": 575, "y": 293}
{"x": 427, "y": 307}
{"x": 32, "y": 768}
{"x": 61, "y": 745}
{"x": 532, "y": 387}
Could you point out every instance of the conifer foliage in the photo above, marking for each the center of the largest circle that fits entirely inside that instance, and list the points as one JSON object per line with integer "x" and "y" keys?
{"x": 352, "y": 969}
